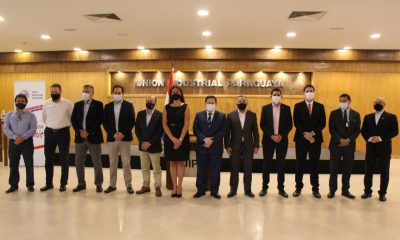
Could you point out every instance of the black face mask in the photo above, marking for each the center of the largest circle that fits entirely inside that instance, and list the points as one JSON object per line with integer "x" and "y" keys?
{"x": 176, "y": 96}
{"x": 55, "y": 96}
{"x": 241, "y": 106}
{"x": 150, "y": 106}
{"x": 20, "y": 105}
{"x": 378, "y": 107}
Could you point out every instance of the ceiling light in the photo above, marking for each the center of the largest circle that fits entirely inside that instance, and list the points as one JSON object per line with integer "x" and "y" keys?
{"x": 141, "y": 48}
{"x": 202, "y": 12}
{"x": 347, "y": 48}
{"x": 277, "y": 47}
{"x": 375, "y": 36}
{"x": 208, "y": 47}
{"x": 291, "y": 34}
{"x": 77, "y": 49}
{"x": 45, "y": 37}
{"x": 2, "y": 19}
{"x": 18, "y": 51}
{"x": 206, "y": 33}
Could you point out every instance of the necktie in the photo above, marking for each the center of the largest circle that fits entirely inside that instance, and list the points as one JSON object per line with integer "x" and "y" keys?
{"x": 345, "y": 118}
{"x": 209, "y": 119}
{"x": 309, "y": 108}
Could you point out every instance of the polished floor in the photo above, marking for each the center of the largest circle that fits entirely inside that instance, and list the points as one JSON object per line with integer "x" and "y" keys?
{"x": 89, "y": 215}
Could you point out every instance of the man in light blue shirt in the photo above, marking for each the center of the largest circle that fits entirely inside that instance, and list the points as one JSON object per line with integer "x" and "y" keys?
{"x": 20, "y": 127}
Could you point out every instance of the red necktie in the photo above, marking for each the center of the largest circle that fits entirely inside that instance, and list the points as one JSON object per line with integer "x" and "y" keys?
{"x": 309, "y": 108}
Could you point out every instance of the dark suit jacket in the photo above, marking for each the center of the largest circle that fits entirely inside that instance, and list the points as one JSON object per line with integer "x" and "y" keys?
{"x": 267, "y": 123}
{"x": 387, "y": 129}
{"x": 216, "y": 131}
{"x": 337, "y": 127}
{"x": 126, "y": 121}
{"x": 94, "y": 119}
{"x": 235, "y": 133}
{"x": 151, "y": 133}
{"x": 306, "y": 123}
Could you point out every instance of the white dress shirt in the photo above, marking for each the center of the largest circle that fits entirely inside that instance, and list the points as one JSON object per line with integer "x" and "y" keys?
{"x": 86, "y": 105}
{"x": 57, "y": 115}
{"x": 377, "y": 117}
{"x": 117, "y": 110}
{"x": 242, "y": 118}
{"x": 148, "y": 116}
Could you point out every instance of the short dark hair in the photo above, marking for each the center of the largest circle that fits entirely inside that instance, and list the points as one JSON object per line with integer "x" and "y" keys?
{"x": 345, "y": 95}
{"x": 21, "y": 96}
{"x": 210, "y": 97}
{"x": 88, "y": 86}
{"x": 170, "y": 94}
{"x": 118, "y": 86}
{"x": 56, "y": 85}
{"x": 276, "y": 90}
{"x": 308, "y": 86}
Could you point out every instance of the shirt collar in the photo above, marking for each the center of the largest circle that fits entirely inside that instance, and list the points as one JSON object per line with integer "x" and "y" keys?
{"x": 151, "y": 113}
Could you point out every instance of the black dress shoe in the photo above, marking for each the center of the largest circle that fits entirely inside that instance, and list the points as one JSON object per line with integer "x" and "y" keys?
{"x": 283, "y": 193}
{"x": 110, "y": 189}
{"x": 216, "y": 195}
{"x": 316, "y": 194}
{"x": 130, "y": 190}
{"x": 46, "y": 188}
{"x": 263, "y": 192}
{"x": 12, "y": 189}
{"x": 249, "y": 194}
{"x": 99, "y": 189}
{"x": 231, "y": 194}
{"x": 79, "y": 188}
{"x": 178, "y": 195}
{"x": 382, "y": 198}
{"x": 63, "y": 188}
{"x": 296, "y": 193}
{"x": 173, "y": 195}
{"x": 331, "y": 195}
{"x": 366, "y": 195}
{"x": 31, "y": 189}
{"x": 348, "y": 195}
{"x": 198, "y": 195}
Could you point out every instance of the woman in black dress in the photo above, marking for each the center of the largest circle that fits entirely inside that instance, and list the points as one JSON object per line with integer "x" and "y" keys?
{"x": 176, "y": 118}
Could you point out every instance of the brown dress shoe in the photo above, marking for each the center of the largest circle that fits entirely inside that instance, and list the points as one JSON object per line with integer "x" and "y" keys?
{"x": 158, "y": 192}
{"x": 143, "y": 190}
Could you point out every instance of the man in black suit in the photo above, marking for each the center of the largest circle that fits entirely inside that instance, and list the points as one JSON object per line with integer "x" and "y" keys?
{"x": 309, "y": 120}
{"x": 209, "y": 126}
{"x": 241, "y": 143}
{"x": 378, "y": 129}
{"x": 149, "y": 131}
{"x": 119, "y": 119}
{"x": 344, "y": 127}
{"x": 86, "y": 119}
{"x": 276, "y": 123}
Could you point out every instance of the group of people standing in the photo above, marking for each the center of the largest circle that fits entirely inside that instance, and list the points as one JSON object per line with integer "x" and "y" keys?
{"x": 236, "y": 132}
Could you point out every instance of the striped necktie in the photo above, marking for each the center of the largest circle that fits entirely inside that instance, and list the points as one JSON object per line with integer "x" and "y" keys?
{"x": 209, "y": 119}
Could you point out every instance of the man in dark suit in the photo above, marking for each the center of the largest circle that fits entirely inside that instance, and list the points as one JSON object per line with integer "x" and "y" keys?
{"x": 276, "y": 123}
{"x": 149, "y": 131}
{"x": 209, "y": 126}
{"x": 309, "y": 120}
{"x": 344, "y": 127}
{"x": 241, "y": 142}
{"x": 119, "y": 119}
{"x": 378, "y": 129}
{"x": 86, "y": 119}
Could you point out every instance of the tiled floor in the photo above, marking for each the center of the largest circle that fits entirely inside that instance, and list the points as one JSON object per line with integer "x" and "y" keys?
{"x": 89, "y": 215}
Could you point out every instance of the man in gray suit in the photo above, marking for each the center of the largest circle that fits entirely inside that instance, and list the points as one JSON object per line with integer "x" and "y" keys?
{"x": 241, "y": 143}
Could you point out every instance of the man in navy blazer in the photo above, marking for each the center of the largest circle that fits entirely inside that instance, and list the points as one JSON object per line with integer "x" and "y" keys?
{"x": 209, "y": 126}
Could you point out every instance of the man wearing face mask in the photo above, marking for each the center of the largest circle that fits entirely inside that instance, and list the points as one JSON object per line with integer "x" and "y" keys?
{"x": 149, "y": 130}
{"x": 19, "y": 127}
{"x": 87, "y": 117}
{"x": 378, "y": 129}
{"x": 241, "y": 143}
{"x": 309, "y": 120}
{"x": 276, "y": 123}
{"x": 344, "y": 127}
{"x": 209, "y": 126}
{"x": 119, "y": 119}
{"x": 57, "y": 113}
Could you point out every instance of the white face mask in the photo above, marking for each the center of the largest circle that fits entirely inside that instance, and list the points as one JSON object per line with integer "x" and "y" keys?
{"x": 85, "y": 96}
{"x": 210, "y": 107}
{"x": 344, "y": 106}
{"x": 309, "y": 96}
{"x": 117, "y": 98}
{"x": 276, "y": 100}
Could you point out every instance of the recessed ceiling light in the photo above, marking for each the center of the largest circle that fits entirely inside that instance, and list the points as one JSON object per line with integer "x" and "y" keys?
{"x": 45, "y": 37}
{"x": 206, "y": 33}
{"x": 83, "y": 51}
{"x": 277, "y": 47}
{"x": 77, "y": 49}
{"x": 202, "y": 12}
{"x": 375, "y": 36}
{"x": 18, "y": 51}
{"x": 2, "y": 19}
{"x": 208, "y": 47}
{"x": 347, "y": 48}
{"x": 291, "y": 34}
{"x": 141, "y": 48}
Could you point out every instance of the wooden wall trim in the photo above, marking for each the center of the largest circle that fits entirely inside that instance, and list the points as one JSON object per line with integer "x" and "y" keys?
{"x": 203, "y": 54}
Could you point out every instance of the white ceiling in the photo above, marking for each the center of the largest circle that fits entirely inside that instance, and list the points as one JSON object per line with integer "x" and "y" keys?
{"x": 175, "y": 24}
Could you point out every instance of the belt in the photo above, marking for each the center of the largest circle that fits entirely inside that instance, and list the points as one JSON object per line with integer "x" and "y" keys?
{"x": 57, "y": 130}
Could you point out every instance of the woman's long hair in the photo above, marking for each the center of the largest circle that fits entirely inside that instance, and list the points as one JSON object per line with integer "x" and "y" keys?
{"x": 170, "y": 94}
